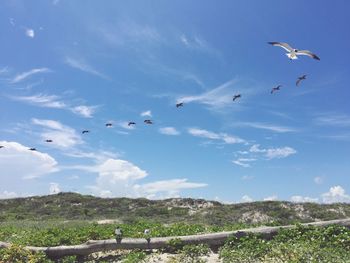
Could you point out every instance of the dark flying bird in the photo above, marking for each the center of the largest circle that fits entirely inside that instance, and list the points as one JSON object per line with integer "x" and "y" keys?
{"x": 1, "y": 146}
{"x": 131, "y": 123}
{"x": 300, "y": 79}
{"x": 32, "y": 149}
{"x": 236, "y": 97}
{"x": 276, "y": 88}
{"x": 85, "y": 131}
{"x": 109, "y": 124}
{"x": 48, "y": 140}
{"x": 179, "y": 104}
{"x": 148, "y": 121}
{"x": 292, "y": 52}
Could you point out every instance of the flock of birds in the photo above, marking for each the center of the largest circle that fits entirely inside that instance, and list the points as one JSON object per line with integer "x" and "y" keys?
{"x": 292, "y": 55}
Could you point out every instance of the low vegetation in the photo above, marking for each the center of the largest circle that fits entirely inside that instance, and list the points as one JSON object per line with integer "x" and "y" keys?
{"x": 72, "y": 206}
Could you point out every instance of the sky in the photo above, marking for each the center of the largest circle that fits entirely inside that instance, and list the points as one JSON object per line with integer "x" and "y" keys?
{"x": 68, "y": 66}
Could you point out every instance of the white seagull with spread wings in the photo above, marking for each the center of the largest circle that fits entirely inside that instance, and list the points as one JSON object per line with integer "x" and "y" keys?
{"x": 292, "y": 52}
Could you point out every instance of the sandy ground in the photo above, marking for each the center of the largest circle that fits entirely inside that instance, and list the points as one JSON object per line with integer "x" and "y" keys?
{"x": 115, "y": 257}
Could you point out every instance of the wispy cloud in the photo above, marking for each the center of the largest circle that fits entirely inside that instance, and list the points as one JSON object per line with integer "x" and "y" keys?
{"x": 197, "y": 43}
{"x": 267, "y": 126}
{"x": 22, "y": 76}
{"x": 218, "y": 97}
{"x": 244, "y": 162}
{"x": 273, "y": 153}
{"x": 224, "y": 137}
{"x": 169, "y": 131}
{"x": 42, "y": 100}
{"x": 53, "y": 101}
{"x": 333, "y": 119}
{"x": 84, "y": 66}
{"x": 129, "y": 33}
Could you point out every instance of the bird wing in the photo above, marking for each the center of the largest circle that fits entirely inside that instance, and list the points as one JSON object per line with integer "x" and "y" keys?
{"x": 282, "y": 45}
{"x": 307, "y": 53}
{"x": 298, "y": 81}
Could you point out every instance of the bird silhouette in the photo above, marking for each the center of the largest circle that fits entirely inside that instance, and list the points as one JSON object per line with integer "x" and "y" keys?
{"x": 1, "y": 146}
{"x": 276, "y": 88}
{"x": 179, "y": 104}
{"x": 109, "y": 124}
{"x": 48, "y": 140}
{"x": 32, "y": 149}
{"x": 300, "y": 79}
{"x": 131, "y": 123}
{"x": 148, "y": 121}
{"x": 85, "y": 131}
{"x": 236, "y": 97}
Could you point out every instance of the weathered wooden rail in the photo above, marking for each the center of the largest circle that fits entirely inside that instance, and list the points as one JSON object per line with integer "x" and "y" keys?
{"x": 212, "y": 239}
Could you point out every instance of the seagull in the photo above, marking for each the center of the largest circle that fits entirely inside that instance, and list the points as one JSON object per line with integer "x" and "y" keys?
{"x": 148, "y": 121}
{"x": 48, "y": 140}
{"x": 236, "y": 96}
{"x": 276, "y": 88}
{"x": 292, "y": 52}
{"x": 179, "y": 104}
{"x": 131, "y": 123}
{"x": 109, "y": 124}
{"x": 300, "y": 79}
{"x": 32, "y": 149}
{"x": 85, "y": 131}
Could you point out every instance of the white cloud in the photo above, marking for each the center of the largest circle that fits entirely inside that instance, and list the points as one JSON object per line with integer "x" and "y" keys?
{"x": 246, "y": 199}
{"x": 27, "y": 74}
{"x": 267, "y": 126}
{"x": 7, "y": 195}
{"x": 147, "y": 113}
{"x": 83, "y": 66}
{"x": 228, "y": 139}
{"x": 62, "y": 136}
{"x": 271, "y": 198}
{"x": 166, "y": 188}
{"x": 169, "y": 131}
{"x": 244, "y": 162}
{"x": 32, "y": 163}
{"x": 54, "y": 188}
{"x": 336, "y": 194}
{"x": 30, "y": 33}
{"x": 303, "y": 199}
{"x": 84, "y": 111}
{"x": 118, "y": 177}
{"x": 318, "y": 180}
{"x": 279, "y": 152}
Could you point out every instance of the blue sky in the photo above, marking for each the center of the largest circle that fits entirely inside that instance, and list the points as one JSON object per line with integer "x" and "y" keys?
{"x": 68, "y": 66}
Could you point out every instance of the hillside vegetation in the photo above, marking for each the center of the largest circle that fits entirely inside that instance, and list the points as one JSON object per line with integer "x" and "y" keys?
{"x": 73, "y": 206}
